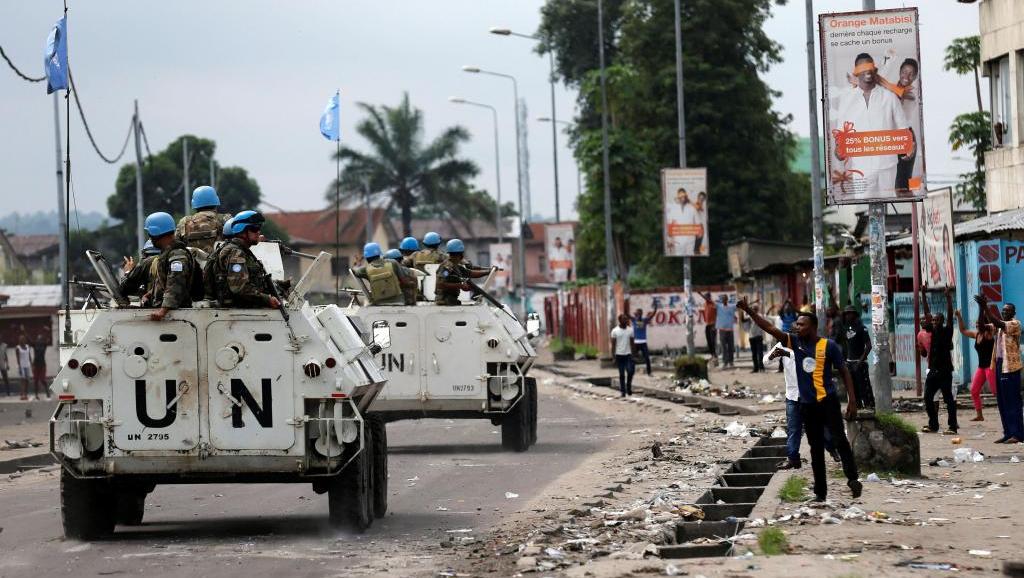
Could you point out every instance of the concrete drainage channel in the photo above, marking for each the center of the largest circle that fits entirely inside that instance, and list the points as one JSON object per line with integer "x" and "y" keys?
{"x": 728, "y": 503}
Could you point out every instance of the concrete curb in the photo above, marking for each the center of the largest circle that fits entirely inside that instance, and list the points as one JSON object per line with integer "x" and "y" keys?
{"x": 26, "y": 462}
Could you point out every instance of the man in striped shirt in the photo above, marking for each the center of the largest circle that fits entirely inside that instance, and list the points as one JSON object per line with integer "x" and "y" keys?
{"x": 816, "y": 358}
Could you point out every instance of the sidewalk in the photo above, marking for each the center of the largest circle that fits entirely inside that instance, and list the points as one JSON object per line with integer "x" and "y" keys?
{"x": 24, "y": 430}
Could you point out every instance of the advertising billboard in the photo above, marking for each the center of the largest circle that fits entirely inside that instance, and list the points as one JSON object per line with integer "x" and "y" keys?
{"x": 871, "y": 83}
{"x": 501, "y": 257}
{"x": 936, "y": 233}
{"x": 560, "y": 248}
{"x": 684, "y": 195}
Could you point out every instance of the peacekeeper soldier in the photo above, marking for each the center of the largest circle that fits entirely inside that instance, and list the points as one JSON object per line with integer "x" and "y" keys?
{"x": 234, "y": 276}
{"x": 454, "y": 274}
{"x": 395, "y": 255}
{"x": 390, "y": 283}
{"x": 178, "y": 278}
{"x": 140, "y": 277}
{"x": 202, "y": 229}
{"x": 408, "y": 248}
{"x": 431, "y": 254}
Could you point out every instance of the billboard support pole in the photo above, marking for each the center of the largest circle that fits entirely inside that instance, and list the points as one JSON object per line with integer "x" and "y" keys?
{"x": 681, "y": 113}
{"x": 916, "y": 260}
{"x": 816, "y": 209}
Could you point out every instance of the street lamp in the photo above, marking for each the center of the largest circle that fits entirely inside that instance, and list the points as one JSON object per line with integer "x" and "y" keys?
{"x": 554, "y": 131}
{"x": 609, "y": 250}
{"x": 554, "y": 121}
{"x": 519, "y": 175}
{"x": 497, "y": 158}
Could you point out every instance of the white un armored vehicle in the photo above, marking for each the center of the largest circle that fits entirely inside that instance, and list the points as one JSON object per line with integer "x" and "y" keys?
{"x": 217, "y": 395}
{"x": 460, "y": 362}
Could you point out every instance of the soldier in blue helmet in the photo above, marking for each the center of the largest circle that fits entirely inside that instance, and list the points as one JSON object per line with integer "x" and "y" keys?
{"x": 178, "y": 278}
{"x": 408, "y": 248}
{"x": 234, "y": 276}
{"x": 394, "y": 255}
{"x": 390, "y": 282}
{"x": 454, "y": 274}
{"x": 140, "y": 278}
{"x": 203, "y": 228}
{"x": 430, "y": 254}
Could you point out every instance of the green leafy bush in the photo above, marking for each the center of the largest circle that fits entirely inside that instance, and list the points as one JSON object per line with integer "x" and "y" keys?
{"x": 794, "y": 489}
{"x": 691, "y": 366}
{"x": 773, "y": 542}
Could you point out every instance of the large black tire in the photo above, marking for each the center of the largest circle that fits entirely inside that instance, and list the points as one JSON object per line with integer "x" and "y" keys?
{"x": 515, "y": 426}
{"x": 131, "y": 507}
{"x": 87, "y": 507}
{"x": 380, "y": 465}
{"x": 350, "y": 498}
{"x": 531, "y": 387}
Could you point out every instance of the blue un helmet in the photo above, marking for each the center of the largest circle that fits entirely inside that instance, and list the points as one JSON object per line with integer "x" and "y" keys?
{"x": 227, "y": 228}
{"x": 205, "y": 197}
{"x": 431, "y": 239}
{"x": 149, "y": 249}
{"x": 409, "y": 244}
{"x": 393, "y": 254}
{"x": 159, "y": 224}
{"x": 371, "y": 250}
{"x": 455, "y": 246}
{"x": 247, "y": 220}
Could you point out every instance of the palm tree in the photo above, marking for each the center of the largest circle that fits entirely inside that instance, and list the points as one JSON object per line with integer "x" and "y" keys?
{"x": 401, "y": 166}
{"x": 963, "y": 56}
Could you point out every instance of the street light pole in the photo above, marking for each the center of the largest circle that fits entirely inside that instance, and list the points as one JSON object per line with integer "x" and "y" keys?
{"x": 609, "y": 250}
{"x": 554, "y": 130}
{"x": 579, "y": 189}
{"x": 519, "y": 177}
{"x": 497, "y": 158}
{"x": 681, "y": 113}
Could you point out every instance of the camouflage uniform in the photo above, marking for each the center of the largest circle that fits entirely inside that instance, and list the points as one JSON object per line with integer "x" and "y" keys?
{"x": 176, "y": 275}
{"x": 403, "y": 279}
{"x": 429, "y": 256}
{"x": 450, "y": 272}
{"x": 141, "y": 279}
{"x": 237, "y": 277}
{"x": 201, "y": 230}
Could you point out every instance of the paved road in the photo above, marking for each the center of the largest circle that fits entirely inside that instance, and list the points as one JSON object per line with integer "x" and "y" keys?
{"x": 445, "y": 476}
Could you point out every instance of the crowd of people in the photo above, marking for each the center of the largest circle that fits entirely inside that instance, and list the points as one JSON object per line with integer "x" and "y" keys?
{"x": 30, "y": 362}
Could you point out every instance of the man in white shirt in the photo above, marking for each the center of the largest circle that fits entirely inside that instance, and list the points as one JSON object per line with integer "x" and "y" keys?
{"x": 683, "y": 224}
{"x": 863, "y": 108}
{"x": 794, "y": 424}
{"x": 622, "y": 348}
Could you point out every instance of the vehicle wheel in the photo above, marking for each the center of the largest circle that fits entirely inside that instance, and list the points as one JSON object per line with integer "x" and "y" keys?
{"x": 86, "y": 507}
{"x": 531, "y": 385}
{"x": 131, "y": 507}
{"x": 350, "y": 502}
{"x": 515, "y": 426}
{"x": 380, "y": 466}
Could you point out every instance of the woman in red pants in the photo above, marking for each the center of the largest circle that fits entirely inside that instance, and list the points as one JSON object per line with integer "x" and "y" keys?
{"x": 984, "y": 340}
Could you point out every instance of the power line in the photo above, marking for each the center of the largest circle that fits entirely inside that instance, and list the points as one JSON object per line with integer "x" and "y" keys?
{"x": 18, "y": 72}
{"x": 145, "y": 139}
{"x": 85, "y": 123}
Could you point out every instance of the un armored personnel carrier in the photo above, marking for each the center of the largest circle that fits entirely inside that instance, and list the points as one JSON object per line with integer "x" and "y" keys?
{"x": 460, "y": 362}
{"x": 217, "y": 395}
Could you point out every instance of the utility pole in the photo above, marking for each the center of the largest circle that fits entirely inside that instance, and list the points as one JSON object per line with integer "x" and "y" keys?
{"x": 609, "y": 249}
{"x": 681, "y": 113}
{"x": 213, "y": 174}
{"x": 554, "y": 133}
{"x": 369, "y": 212}
{"x": 62, "y": 214}
{"x": 139, "y": 216}
{"x": 818, "y": 225}
{"x": 185, "y": 186}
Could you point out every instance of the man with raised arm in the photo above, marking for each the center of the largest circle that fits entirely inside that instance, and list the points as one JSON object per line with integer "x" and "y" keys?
{"x": 815, "y": 359}
{"x": 1006, "y": 358}
{"x": 940, "y": 367}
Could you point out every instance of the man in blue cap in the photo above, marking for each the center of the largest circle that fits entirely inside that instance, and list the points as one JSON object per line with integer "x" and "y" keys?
{"x": 178, "y": 278}
{"x": 202, "y": 229}
{"x": 390, "y": 283}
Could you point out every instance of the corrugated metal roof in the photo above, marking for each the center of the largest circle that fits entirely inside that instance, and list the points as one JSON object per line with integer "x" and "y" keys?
{"x": 31, "y": 295}
{"x": 1012, "y": 220}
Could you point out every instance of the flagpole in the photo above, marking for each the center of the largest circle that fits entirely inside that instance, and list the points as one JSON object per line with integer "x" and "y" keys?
{"x": 337, "y": 222}
{"x": 67, "y": 198}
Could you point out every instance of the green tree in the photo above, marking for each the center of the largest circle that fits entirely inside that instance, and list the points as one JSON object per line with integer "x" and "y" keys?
{"x": 963, "y": 56}
{"x": 972, "y": 130}
{"x": 731, "y": 127}
{"x": 403, "y": 167}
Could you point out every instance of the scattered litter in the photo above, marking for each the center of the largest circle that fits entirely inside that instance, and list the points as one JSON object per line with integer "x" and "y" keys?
{"x": 872, "y": 477}
{"x": 980, "y": 553}
{"x": 736, "y": 429}
{"x": 656, "y": 450}
{"x": 442, "y": 509}
{"x": 778, "y": 432}
{"x": 511, "y": 495}
{"x": 688, "y": 512}
{"x": 964, "y": 455}
{"x": 460, "y": 531}
{"x": 1014, "y": 460}
{"x": 768, "y": 398}
{"x": 956, "y": 441}
{"x": 672, "y": 570}
{"x": 932, "y": 566}
{"x": 413, "y": 479}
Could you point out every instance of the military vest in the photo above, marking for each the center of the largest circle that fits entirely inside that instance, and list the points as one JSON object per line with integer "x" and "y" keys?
{"x": 202, "y": 230}
{"x": 383, "y": 280}
{"x": 426, "y": 257}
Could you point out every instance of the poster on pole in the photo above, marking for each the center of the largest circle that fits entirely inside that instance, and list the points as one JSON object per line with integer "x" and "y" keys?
{"x": 560, "y": 246}
{"x": 937, "y": 235}
{"x": 684, "y": 195}
{"x": 501, "y": 257}
{"x": 871, "y": 83}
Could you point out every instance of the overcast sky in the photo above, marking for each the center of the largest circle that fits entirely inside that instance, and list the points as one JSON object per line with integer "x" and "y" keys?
{"x": 255, "y": 76}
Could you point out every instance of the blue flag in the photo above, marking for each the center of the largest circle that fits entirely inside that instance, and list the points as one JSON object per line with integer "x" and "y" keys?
{"x": 56, "y": 57}
{"x": 329, "y": 121}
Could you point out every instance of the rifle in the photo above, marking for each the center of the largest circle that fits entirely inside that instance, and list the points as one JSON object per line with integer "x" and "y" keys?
{"x": 272, "y": 288}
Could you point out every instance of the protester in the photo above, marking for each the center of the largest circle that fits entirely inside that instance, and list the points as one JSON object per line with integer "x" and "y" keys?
{"x": 710, "y": 334}
{"x": 756, "y": 337}
{"x": 623, "y": 346}
{"x": 640, "y": 324}
{"x": 39, "y": 366}
{"x": 23, "y": 355}
{"x": 815, "y": 360}
{"x": 3, "y": 366}
{"x": 1006, "y": 358}
{"x": 856, "y": 344}
{"x": 725, "y": 323}
{"x": 984, "y": 342}
{"x": 940, "y": 368}
{"x": 794, "y": 424}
